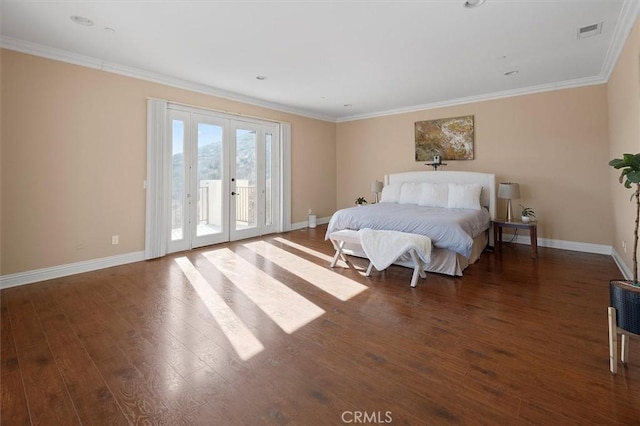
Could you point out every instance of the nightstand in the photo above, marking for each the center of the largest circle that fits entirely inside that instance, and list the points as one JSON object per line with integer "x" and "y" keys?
{"x": 498, "y": 224}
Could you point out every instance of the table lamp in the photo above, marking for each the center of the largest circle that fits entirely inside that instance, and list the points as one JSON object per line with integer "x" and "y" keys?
{"x": 376, "y": 186}
{"x": 509, "y": 191}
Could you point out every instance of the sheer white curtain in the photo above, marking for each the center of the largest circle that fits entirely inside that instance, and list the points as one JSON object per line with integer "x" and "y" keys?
{"x": 285, "y": 181}
{"x": 157, "y": 184}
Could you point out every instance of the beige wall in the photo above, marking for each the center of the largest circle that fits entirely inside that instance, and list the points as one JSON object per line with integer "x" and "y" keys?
{"x": 74, "y": 160}
{"x": 623, "y": 92}
{"x": 73, "y": 157}
{"x": 554, "y": 144}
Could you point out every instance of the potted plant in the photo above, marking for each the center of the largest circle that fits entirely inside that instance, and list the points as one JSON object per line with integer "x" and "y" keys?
{"x": 624, "y": 310}
{"x": 360, "y": 201}
{"x": 526, "y": 214}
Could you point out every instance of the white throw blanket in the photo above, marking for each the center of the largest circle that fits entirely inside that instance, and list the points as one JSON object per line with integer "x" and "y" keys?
{"x": 385, "y": 247}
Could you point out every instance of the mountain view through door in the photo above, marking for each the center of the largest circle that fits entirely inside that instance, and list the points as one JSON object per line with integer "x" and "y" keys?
{"x": 220, "y": 191}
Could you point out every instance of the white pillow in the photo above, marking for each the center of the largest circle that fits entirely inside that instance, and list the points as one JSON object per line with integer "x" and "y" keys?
{"x": 464, "y": 196}
{"x": 434, "y": 195}
{"x": 390, "y": 193}
{"x": 410, "y": 193}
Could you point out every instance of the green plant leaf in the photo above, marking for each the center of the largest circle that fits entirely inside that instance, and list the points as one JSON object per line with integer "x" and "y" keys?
{"x": 617, "y": 163}
{"x": 630, "y": 165}
{"x": 633, "y": 176}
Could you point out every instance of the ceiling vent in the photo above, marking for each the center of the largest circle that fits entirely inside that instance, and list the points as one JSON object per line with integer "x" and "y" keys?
{"x": 590, "y": 30}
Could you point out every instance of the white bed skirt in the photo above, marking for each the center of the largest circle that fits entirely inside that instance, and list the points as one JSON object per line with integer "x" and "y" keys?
{"x": 442, "y": 261}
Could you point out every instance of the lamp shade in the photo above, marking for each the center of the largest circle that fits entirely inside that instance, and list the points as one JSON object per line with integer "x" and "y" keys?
{"x": 509, "y": 190}
{"x": 376, "y": 186}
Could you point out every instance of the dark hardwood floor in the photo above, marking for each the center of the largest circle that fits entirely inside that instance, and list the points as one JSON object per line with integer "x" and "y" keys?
{"x": 515, "y": 341}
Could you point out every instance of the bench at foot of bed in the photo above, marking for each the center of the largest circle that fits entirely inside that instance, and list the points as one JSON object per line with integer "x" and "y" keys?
{"x": 385, "y": 247}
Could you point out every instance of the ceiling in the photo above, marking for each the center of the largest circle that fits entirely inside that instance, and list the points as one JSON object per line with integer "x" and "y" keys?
{"x": 333, "y": 60}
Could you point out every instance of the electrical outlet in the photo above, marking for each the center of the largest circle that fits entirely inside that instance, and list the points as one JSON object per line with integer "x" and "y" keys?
{"x": 115, "y": 239}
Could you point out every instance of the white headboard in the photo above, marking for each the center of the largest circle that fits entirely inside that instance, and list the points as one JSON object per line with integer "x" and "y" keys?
{"x": 487, "y": 180}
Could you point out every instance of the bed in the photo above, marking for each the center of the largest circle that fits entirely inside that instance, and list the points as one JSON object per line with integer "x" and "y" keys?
{"x": 456, "y": 217}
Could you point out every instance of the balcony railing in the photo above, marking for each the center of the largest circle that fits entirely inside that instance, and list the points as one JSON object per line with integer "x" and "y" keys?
{"x": 246, "y": 204}
{"x": 209, "y": 210}
{"x": 203, "y": 204}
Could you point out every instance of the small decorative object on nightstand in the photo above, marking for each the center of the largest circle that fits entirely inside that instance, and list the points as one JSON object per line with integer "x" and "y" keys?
{"x": 498, "y": 224}
{"x": 527, "y": 214}
{"x": 360, "y": 201}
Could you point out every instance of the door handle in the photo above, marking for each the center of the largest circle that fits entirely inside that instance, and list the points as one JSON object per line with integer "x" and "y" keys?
{"x": 234, "y": 193}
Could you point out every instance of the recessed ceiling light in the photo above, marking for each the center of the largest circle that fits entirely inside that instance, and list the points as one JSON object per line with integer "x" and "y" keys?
{"x": 514, "y": 72}
{"x": 109, "y": 30}
{"x": 81, "y": 20}
{"x": 261, "y": 77}
{"x": 347, "y": 105}
{"x": 473, "y": 3}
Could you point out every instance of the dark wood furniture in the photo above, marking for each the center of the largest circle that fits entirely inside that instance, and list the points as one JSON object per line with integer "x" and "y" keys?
{"x": 498, "y": 224}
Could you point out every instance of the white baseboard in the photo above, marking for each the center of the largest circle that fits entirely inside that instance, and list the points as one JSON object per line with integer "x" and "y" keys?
{"x": 28, "y": 277}
{"x": 305, "y": 224}
{"x": 626, "y": 271}
{"x": 582, "y": 247}
{"x": 562, "y": 244}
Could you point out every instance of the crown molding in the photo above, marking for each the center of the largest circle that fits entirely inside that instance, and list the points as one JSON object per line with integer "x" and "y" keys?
{"x": 626, "y": 20}
{"x": 569, "y": 84}
{"x": 90, "y": 62}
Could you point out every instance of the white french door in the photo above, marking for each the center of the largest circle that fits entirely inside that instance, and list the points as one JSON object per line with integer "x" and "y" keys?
{"x": 224, "y": 178}
{"x": 254, "y": 171}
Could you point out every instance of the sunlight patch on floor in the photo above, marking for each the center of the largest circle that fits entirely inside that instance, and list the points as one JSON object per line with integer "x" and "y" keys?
{"x": 336, "y": 285}
{"x": 241, "y": 338}
{"x": 284, "y": 306}
{"x": 317, "y": 254}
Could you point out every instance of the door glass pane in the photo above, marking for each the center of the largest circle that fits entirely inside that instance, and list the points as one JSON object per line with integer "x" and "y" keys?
{"x": 209, "y": 180}
{"x": 246, "y": 166}
{"x": 268, "y": 218}
{"x": 177, "y": 180}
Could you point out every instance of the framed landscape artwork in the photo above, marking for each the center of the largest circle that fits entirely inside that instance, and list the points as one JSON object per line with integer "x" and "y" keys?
{"x": 449, "y": 138}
